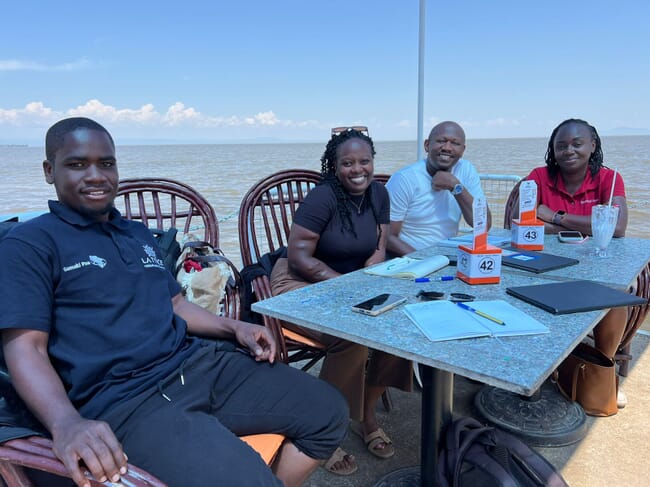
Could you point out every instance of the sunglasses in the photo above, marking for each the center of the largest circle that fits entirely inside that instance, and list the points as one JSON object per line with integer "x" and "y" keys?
{"x": 436, "y": 295}
{"x": 359, "y": 128}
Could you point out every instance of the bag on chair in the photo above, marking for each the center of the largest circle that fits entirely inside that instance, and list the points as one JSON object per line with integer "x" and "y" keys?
{"x": 203, "y": 273}
{"x": 589, "y": 377}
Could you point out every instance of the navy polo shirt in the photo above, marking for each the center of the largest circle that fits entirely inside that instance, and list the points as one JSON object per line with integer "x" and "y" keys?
{"x": 101, "y": 291}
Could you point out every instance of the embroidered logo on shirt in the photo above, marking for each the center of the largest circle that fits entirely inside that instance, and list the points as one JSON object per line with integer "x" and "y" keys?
{"x": 152, "y": 259}
{"x": 92, "y": 260}
{"x": 98, "y": 261}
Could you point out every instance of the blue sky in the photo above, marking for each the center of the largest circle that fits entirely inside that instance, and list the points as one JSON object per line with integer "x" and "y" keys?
{"x": 210, "y": 71}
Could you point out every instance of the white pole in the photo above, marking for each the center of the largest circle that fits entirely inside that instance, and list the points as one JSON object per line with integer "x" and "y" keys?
{"x": 421, "y": 80}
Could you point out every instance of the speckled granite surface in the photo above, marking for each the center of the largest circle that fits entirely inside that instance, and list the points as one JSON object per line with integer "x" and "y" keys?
{"x": 517, "y": 364}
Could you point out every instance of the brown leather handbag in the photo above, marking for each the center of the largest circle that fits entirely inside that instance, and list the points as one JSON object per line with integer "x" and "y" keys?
{"x": 589, "y": 377}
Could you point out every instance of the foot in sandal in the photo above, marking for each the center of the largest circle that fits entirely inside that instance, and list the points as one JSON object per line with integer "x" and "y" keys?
{"x": 341, "y": 463}
{"x": 377, "y": 442}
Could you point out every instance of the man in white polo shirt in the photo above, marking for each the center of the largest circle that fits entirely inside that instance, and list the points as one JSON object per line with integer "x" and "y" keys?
{"x": 427, "y": 198}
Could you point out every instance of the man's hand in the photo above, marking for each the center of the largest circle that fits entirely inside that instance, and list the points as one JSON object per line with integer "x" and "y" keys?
{"x": 94, "y": 444}
{"x": 257, "y": 339}
{"x": 443, "y": 181}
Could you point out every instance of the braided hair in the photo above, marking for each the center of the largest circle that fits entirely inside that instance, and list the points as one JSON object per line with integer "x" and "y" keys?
{"x": 328, "y": 177}
{"x": 595, "y": 160}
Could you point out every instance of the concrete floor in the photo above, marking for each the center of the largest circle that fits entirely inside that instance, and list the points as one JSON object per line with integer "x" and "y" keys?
{"x": 613, "y": 453}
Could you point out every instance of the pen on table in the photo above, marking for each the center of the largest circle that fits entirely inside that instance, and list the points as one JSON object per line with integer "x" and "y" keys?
{"x": 480, "y": 313}
{"x": 432, "y": 279}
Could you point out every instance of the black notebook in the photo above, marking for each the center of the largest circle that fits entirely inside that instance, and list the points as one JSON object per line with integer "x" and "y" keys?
{"x": 534, "y": 261}
{"x": 566, "y": 297}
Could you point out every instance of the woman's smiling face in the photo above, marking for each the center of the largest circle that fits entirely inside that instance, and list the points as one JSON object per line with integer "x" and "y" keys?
{"x": 354, "y": 165}
{"x": 573, "y": 145}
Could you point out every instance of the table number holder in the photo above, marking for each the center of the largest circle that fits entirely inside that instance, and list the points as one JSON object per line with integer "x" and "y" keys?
{"x": 527, "y": 230}
{"x": 480, "y": 263}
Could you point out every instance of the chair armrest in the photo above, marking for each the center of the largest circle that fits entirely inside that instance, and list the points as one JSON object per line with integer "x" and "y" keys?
{"x": 36, "y": 452}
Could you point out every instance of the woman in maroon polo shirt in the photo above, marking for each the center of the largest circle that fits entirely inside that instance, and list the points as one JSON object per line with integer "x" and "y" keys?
{"x": 573, "y": 181}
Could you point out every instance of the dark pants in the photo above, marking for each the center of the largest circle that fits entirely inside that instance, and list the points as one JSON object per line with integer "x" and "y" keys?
{"x": 191, "y": 439}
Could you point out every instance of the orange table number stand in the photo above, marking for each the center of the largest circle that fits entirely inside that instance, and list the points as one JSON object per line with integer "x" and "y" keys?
{"x": 527, "y": 230}
{"x": 481, "y": 263}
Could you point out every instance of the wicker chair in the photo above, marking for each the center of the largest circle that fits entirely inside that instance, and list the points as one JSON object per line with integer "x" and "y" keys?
{"x": 636, "y": 315}
{"x": 165, "y": 203}
{"x": 265, "y": 218}
{"x": 512, "y": 203}
{"x": 158, "y": 203}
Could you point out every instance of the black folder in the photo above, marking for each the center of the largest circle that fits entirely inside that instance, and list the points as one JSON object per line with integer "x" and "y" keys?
{"x": 535, "y": 261}
{"x": 566, "y": 297}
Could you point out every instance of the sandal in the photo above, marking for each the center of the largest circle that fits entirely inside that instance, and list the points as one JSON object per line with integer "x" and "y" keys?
{"x": 373, "y": 440}
{"x": 338, "y": 456}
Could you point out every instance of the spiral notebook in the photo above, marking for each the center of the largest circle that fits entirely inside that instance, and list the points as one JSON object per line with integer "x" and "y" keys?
{"x": 574, "y": 296}
{"x": 444, "y": 320}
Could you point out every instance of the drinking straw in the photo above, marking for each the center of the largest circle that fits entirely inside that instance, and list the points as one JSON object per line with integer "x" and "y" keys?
{"x": 611, "y": 194}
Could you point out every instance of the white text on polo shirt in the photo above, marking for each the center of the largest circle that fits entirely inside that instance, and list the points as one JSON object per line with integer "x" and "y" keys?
{"x": 92, "y": 260}
{"x": 152, "y": 259}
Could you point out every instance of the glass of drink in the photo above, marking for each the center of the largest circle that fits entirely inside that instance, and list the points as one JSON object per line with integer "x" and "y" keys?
{"x": 603, "y": 223}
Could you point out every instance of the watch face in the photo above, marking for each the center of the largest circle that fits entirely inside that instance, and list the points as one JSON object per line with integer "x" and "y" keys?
{"x": 457, "y": 189}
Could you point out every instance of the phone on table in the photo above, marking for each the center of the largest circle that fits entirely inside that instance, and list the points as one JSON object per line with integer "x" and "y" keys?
{"x": 379, "y": 304}
{"x": 570, "y": 236}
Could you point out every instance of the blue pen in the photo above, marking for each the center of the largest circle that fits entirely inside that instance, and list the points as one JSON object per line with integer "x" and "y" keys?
{"x": 432, "y": 279}
{"x": 480, "y": 313}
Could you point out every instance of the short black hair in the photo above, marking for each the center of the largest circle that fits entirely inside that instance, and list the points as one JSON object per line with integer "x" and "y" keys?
{"x": 57, "y": 132}
{"x": 595, "y": 160}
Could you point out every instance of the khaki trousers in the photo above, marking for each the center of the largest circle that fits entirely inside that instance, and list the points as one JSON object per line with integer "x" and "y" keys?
{"x": 348, "y": 366}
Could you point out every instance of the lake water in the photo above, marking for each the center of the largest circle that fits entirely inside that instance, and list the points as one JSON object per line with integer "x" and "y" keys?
{"x": 223, "y": 173}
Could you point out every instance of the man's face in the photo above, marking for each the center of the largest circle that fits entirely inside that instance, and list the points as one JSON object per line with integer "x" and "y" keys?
{"x": 445, "y": 146}
{"x": 84, "y": 173}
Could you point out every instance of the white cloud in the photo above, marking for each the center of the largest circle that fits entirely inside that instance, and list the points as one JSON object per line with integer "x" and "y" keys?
{"x": 21, "y": 65}
{"x": 176, "y": 116}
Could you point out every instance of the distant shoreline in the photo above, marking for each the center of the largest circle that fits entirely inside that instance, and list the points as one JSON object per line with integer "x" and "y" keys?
{"x": 154, "y": 142}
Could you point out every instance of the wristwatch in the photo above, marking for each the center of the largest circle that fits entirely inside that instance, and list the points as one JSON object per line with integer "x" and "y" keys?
{"x": 457, "y": 189}
{"x": 558, "y": 216}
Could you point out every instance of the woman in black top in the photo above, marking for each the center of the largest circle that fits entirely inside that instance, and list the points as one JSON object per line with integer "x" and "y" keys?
{"x": 341, "y": 226}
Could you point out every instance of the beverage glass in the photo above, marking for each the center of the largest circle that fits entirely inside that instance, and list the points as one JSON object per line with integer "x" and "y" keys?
{"x": 603, "y": 223}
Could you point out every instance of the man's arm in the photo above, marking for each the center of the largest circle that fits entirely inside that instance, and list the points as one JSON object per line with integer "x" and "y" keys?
{"x": 74, "y": 438}
{"x": 395, "y": 244}
{"x": 444, "y": 180}
{"x": 257, "y": 339}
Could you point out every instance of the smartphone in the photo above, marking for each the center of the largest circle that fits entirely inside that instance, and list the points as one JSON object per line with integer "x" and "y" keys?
{"x": 569, "y": 236}
{"x": 379, "y": 304}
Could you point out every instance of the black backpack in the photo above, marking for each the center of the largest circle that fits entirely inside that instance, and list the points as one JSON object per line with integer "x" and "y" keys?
{"x": 482, "y": 456}
{"x": 262, "y": 267}
{"x": 170, "y": 249}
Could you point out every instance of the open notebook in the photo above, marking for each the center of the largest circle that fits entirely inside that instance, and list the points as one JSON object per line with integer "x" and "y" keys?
{"x": 408, "y": 267}
{"x": 444, "y": 320}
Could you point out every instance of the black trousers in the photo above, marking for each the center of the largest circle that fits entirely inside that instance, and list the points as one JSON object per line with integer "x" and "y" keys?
{"x": 185, "y": 430}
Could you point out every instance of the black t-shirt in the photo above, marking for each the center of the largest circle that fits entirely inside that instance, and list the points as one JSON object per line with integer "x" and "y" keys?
{"x": 102, "y": 293}
{"x": 337, "y": 246}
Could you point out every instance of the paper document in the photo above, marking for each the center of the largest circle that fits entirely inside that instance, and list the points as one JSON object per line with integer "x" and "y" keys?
{"x": 408, "y": 267}
{"x": 444, "y": 320}
{"x": 468, "y": 238}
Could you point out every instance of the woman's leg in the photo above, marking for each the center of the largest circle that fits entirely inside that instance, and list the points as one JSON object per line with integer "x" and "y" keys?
{"x": 609, "y": 332}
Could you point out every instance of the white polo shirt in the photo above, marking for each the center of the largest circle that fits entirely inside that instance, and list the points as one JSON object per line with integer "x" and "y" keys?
{"x": 428, "y": 216}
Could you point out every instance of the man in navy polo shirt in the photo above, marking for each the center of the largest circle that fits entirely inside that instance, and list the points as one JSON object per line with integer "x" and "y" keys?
{"x": 106, "y": 352}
